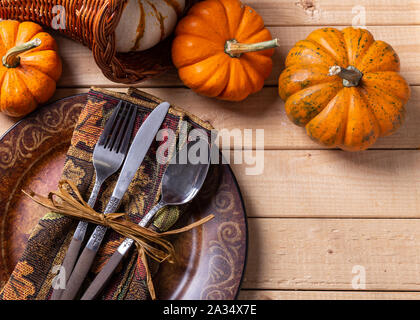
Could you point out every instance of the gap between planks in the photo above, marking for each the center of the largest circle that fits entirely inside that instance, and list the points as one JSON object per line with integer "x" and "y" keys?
{"x": 331, "y": 184}
{"x": 265, "y": 110}
{"x": 320, "y": 254}
{"x": 246, "y": 294}
{"x": 80, "y": 69}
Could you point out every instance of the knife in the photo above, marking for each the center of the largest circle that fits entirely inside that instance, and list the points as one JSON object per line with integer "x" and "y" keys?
{"x": 135, "y": 156}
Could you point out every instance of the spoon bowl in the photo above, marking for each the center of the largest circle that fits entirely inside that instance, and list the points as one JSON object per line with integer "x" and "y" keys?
{"x": 183, "y": 179}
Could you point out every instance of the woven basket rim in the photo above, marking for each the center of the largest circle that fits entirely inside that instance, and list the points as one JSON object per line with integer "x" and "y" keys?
{"x": 93, "y": 23}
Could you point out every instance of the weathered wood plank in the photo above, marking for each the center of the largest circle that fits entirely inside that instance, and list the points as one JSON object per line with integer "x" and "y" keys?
{"x": 316, "y": 253}
{"x": 326, "y": 254}
{"x": 320, "y": 183}
{"x": 80, "y": 69}
{"x": 326, "y": 295}
{"x": 265, "y": 110}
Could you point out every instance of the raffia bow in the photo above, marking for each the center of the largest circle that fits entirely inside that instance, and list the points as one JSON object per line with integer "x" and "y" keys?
{"x": 148, "y": 242}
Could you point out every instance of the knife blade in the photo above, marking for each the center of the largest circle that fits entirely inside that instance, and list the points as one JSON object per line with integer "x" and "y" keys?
{"x": 140, "y": 145}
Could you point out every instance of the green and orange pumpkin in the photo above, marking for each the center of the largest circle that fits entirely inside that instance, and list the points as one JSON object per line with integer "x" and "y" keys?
{"x": 344, "y": 87}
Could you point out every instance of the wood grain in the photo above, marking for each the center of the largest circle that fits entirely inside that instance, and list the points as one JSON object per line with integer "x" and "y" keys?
{"x": 264, "y": 110}
{"x": 326, "y": 295}
{"x": 324, "y": 12}
{"x": 314, "y": 214}
{"x": 319, "y": 183}
{"x": 80, "y": 69}
{"x": 320, "y": 254}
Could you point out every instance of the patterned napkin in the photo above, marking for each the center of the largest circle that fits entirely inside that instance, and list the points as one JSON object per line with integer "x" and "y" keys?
{"x": 49, "y": 240}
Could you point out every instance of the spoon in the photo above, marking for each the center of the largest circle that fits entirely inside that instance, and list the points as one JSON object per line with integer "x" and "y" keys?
{"x": 180, "y": 184}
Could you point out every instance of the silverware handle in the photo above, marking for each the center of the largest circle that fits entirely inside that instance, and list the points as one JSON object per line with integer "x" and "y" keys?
{"x": 76, "y": 242}
{"x": 68, "y": 264}
{"x": 149, "y": 216}
{"x": 95, "y": 192}
{"x": 86, "y": 258}
{"x": 98, "y": 234}
{"x": 144, "y": 222}
{"x": 79, "y": 274}
{"x": 103, "y": 277}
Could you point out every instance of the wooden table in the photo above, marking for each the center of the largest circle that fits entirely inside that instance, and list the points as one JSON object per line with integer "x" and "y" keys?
{"x": 317, "y": 218}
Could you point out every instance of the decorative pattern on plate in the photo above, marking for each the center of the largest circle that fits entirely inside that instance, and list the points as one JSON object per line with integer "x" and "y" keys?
{"x": 227, "y": 251}
{"x": 213, "y": 255}
{"x": 42, "y": 126}
{"x": 224, "y": 269}
{"x": 30, "y": 142}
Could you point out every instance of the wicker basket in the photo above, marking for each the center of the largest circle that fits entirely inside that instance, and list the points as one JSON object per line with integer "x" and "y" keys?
{"x": 93, "y": 22}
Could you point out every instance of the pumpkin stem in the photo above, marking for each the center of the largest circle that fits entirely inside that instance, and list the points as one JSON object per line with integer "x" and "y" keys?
{"x": 235, "y": 49}
{"x": 351, "y": 76}
{"x": 12, "y": 59}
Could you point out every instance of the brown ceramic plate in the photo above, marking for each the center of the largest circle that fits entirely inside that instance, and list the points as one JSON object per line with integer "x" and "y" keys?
{"x": 32, "y": 155}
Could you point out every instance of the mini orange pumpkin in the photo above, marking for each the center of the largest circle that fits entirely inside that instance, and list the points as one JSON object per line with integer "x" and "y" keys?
{"x": 30, "y": 67}
{"x": 223, "y": 50}
{"x": 344, "y": 87}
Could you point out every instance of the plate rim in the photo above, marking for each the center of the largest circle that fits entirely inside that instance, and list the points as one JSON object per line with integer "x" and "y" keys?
{"x": 40, "y": 108}
{"x": 235, "y": 181}
{"x": 246, "y": 232}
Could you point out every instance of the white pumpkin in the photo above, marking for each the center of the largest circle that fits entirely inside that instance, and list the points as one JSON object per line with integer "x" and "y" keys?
{"x": 144, "y": 23}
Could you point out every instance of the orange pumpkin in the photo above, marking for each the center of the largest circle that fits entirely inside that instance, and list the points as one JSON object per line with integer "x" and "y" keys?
{"x": 222, "y": 50}
{"x": 30, "y": 67}
{"x": 344, "y": 87}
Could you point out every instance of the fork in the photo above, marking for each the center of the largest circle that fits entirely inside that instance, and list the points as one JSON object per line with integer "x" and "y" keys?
{"x": 108, "y": 156}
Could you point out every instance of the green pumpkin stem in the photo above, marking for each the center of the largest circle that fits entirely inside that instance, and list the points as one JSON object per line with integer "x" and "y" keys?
{"x": 235, "y": 49}
{"x": 351, "y": 76}
{"x": 12, "y": 59}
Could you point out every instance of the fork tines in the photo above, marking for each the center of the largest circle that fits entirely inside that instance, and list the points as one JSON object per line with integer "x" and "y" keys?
{"x": 121, "y": 121}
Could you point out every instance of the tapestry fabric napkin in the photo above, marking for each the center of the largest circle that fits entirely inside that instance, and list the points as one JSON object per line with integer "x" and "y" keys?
{"x": 47, "y": 245}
